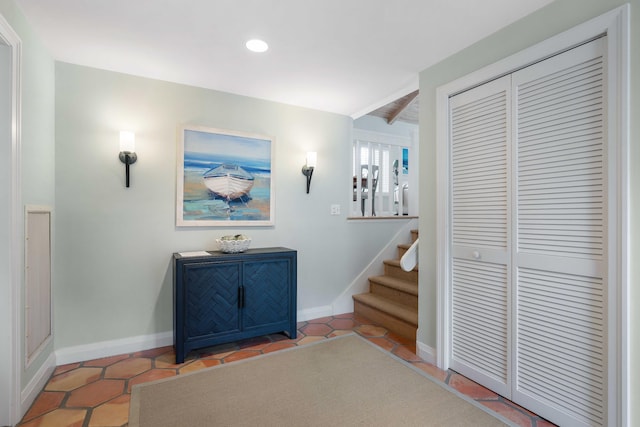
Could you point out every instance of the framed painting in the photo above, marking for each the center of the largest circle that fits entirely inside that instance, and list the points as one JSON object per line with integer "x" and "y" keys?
{"x": 224, "y": 178}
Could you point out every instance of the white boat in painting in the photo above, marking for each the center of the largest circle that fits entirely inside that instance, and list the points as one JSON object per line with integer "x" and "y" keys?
{"x": 228, "y": 181}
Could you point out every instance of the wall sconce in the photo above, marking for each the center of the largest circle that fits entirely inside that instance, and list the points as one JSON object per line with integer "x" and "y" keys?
{"x": 307, "y": 169}
{"x": 127, "y": 151}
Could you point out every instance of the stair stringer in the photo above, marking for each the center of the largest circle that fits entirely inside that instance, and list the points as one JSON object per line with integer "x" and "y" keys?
{"x": 344, "y": 302}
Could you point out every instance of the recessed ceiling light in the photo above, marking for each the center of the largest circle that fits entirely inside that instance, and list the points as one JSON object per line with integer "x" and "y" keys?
{"x": 257, "y": 45}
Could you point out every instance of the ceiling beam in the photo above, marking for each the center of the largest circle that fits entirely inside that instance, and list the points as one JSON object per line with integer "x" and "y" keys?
{"x": 401, "y": 107}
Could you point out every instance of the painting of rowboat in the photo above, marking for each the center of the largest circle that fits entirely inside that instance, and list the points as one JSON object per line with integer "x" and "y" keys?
{"x": 225, "y": 178}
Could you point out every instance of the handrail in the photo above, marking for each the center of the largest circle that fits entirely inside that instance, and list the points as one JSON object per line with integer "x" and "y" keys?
{"x": 410, "y": 259}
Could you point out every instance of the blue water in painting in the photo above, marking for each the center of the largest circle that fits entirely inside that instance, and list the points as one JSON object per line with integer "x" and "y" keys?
{"x": 200, "y": 204}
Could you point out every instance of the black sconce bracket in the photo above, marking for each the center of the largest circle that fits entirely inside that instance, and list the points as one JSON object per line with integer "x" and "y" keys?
{"x": 128, "y": 158}
{"x": 307, "y": 171}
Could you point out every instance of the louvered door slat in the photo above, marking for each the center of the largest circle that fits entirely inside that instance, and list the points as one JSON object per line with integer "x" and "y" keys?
{"x": 479, "y": 167}
{"x": 566, "y": 170}
{"x": 479, "y": 327}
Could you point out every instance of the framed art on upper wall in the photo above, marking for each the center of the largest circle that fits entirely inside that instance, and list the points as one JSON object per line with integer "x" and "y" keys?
{"x": 224, "y": 178}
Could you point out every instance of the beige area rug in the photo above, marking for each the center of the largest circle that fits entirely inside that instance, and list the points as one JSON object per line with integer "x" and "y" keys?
{"x": 343, "y": 381}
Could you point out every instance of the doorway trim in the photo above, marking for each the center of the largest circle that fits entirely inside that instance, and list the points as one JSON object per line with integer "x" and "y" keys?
{"x": 615, "y": 24}
{"x": 9, "y": 37}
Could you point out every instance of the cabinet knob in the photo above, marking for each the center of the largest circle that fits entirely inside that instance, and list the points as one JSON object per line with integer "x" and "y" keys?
{"x": 476, "y": 255}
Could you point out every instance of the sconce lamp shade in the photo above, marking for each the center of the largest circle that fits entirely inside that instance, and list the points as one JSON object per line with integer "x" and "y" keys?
{"x": 312, "y": 159}
{"x": 127, "y": 141}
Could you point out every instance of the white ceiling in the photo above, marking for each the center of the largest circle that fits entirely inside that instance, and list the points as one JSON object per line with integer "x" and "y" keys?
{"x": 342, "y": 56}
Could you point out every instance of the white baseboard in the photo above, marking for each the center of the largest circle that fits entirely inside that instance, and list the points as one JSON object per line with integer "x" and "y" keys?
{"x": 37, "y": 383}
{"x": 426, "y": 353}
{"x": 314, "y": 313}
{"x": 101, "y": 349}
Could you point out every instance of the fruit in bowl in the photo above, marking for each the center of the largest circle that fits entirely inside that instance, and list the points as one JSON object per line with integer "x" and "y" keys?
{"x": 235, "y": 237}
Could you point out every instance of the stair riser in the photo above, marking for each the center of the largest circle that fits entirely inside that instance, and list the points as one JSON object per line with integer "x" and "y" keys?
{"x": 402, "y": 251}
{"x": 394, "y": 294}
{"x": 388, "y": 322}
{"x": 414, "y": 235}
{"x": 396, "y": 271}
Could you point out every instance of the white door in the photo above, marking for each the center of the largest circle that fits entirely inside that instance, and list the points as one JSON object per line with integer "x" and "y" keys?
{"x": 559, "y": 274}
{"x": 528, "y": 236}
{"x": 480, "y": 146}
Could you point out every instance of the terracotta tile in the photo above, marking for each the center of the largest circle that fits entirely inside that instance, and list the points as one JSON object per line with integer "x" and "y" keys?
{"x": 278, "y": 337}
{"x": 95, "y": 393}
{"x": 321, "y": 320}
{"x": 219, "y": 356}
{"x": 343, "y": 324}
{"x": 300, "y": 325}
{"x": 401, "y": 340}
{"x": 339, "y": 332}
{"x": 278, "y": 346}
{"x": 128, "y": 368}
{"x": 59, "y": 418}
{"x": 153, "y": 352}
{"x": 152, "y": 375}
{"x": 406, "y": 354}
{"x": 73, "y": 379}
{"x": 383, "y": 342}
{"x": 167, "y": 361}
{"x": 112, "y": 413}
{"x": 316, "y": 329}
{"x": 361, "y": 319}
{"x": 371, "y": 331}
{"x": 240, "y": 355}
{"x": 470, "y": 388}
{"x": 344, "y": 316}
{"x": 216, "y": 350}
{"x": 65, "y": 368}
{"x": 199, "y": 365}
{"x": 106, "y": 361}
{"x": 255, "y": 343}
{"x": 509, "y": 412}
{"x": 432, "y": 370}
{"x": 45, "y": 402}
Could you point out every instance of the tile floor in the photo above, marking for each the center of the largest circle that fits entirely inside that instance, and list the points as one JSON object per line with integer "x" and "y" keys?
{"x": 96, "y": 393}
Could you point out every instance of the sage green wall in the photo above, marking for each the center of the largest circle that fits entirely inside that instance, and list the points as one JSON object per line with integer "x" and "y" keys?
{"x": 37, "y": 182}
{"x": 114, "y": 244}
{"x": 553, "y": 19}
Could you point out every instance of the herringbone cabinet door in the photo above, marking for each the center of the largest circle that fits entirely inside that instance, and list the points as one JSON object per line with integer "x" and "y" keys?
{"x": 267, "y": 293}
{"x": 211, "y": 298}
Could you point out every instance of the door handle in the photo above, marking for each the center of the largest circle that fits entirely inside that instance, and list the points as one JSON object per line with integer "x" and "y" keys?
{"x": 241, "y": 297}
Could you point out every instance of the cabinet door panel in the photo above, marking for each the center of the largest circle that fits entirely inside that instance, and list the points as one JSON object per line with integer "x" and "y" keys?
{"x": 267, "y": 292}
{"x": 211, "y": 298}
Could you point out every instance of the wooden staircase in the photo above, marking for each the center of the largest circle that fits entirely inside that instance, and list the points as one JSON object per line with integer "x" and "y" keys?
{"x": 392, "y": 300}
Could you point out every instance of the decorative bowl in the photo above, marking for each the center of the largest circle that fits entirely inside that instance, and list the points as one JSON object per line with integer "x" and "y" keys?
{"x": 234, "y": 244}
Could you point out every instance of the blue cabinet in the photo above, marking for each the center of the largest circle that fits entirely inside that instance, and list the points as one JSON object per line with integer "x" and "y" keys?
{"x": 222, "y": 297}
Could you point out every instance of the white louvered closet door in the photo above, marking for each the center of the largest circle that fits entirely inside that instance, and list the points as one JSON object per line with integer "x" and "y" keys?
{"x": 480, "y": 130}
{"x": 561, "y": 209}
{"x": 528, "y": 236}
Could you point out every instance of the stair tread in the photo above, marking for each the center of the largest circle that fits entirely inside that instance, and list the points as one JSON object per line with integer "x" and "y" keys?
{"x": 400, "y": 311}
{"x": 396, "y": 263}
{"x": 395, "y": 283}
